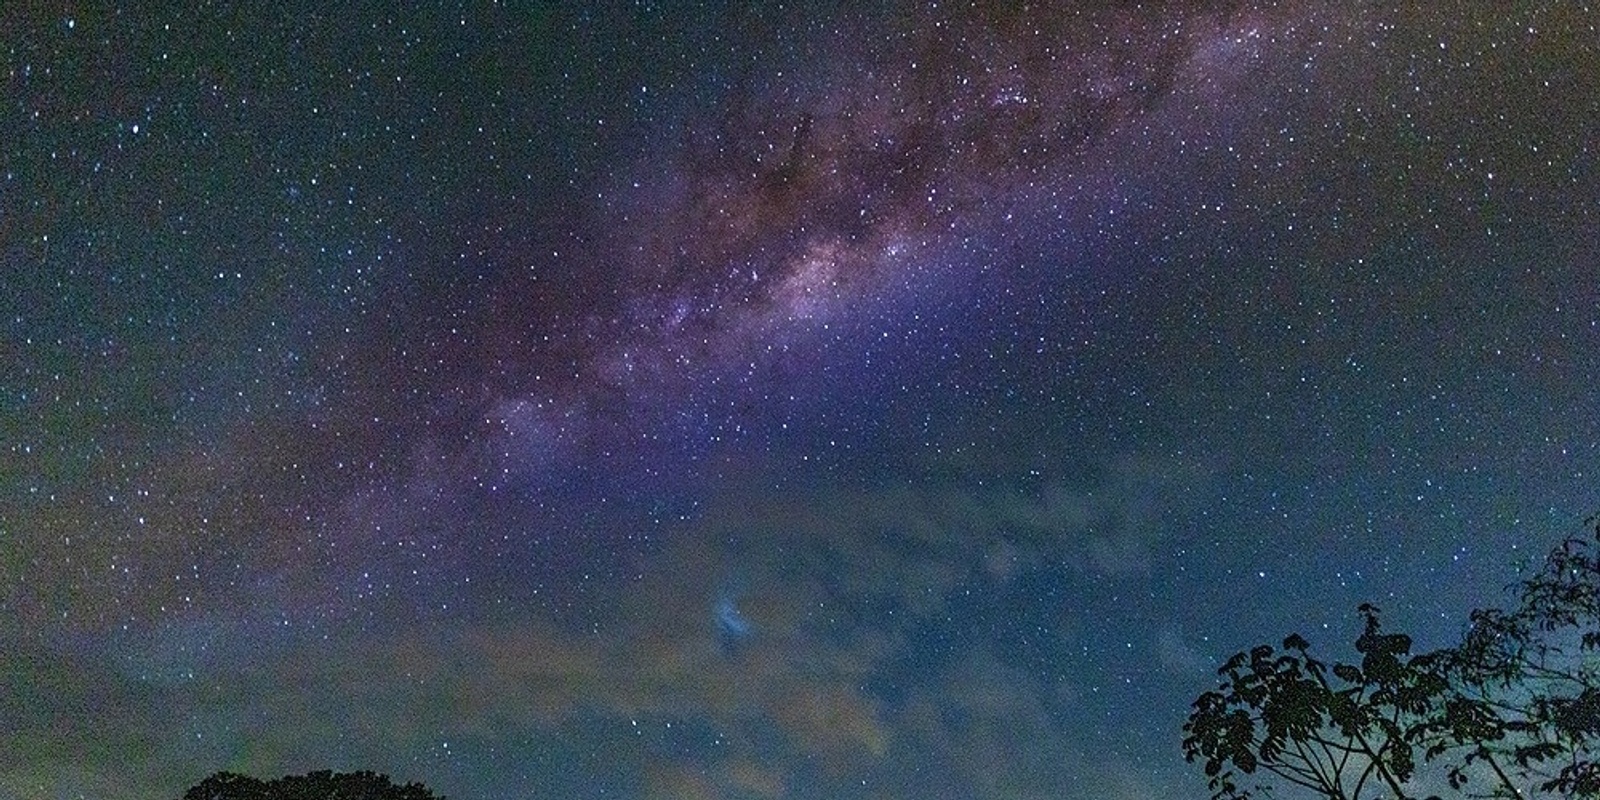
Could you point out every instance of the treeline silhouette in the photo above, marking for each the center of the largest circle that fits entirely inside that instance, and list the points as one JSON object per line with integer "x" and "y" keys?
{"x": 1512, "y": 711}
{"x": 322, "y": 785}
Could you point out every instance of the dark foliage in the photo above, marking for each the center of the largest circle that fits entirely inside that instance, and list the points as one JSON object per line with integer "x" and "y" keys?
{"x": 1526, "y": 704}
{"x": 1334, "y": 730}
{"x": 1512, "y": 711}
{"x": 323, "y": 785}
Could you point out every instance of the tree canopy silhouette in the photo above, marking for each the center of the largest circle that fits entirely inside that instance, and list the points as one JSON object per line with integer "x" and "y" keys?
{"x": 322, "y": 785}
{"x": 1512, "y": 711}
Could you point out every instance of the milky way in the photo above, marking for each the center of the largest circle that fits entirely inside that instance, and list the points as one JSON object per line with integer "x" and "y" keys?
{"x": 695, "y": 401}
{"x": 805, "y": 203}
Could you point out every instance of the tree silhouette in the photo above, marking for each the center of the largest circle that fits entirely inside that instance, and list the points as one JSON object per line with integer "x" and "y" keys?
{"x": 1526, "y": 699}
{"x": 1512, "y": 711}
{"x": 1338, "y": 731}
{"x": 322, "y": 785}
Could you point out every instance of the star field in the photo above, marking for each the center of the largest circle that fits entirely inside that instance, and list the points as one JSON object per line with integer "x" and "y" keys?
{"x": 671, "y": 400}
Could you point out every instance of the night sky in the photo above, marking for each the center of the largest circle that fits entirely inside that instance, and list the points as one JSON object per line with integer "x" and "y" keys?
{"x": 776, "y": 401}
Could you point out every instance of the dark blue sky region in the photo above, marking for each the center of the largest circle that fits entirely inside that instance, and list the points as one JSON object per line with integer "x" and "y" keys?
{"x": 763, "y": 401}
